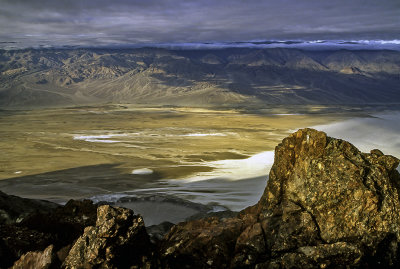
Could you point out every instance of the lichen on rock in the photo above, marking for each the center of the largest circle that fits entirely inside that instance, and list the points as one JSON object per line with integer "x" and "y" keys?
{"x": 350, "y": 195}
{"x": 325, "y": 204}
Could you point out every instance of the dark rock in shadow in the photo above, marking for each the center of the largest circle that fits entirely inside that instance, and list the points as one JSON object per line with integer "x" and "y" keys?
{"x": 157, "y": 232}
{"x": 14, "y": 209}
{"x": 43, "y": 224}
{"x": 66, "y": 223}
{"x": 16, "y": 240}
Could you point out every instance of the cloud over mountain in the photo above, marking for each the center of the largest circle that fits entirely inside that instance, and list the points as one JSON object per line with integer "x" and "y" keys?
{"x": 78, "y": 22}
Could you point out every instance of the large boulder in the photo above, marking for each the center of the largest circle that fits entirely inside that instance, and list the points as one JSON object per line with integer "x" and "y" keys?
{"x": 323, "y": 191}
{"x": 118, "y": 240}
{"x": 325, "y": 204}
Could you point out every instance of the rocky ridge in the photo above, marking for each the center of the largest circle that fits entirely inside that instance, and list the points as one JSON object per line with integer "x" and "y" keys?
{"x": 63, "y": 77}
{"x": 326, "y": 205}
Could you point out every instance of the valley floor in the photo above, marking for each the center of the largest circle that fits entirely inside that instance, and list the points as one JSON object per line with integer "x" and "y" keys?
{"x": 202, "y": 155}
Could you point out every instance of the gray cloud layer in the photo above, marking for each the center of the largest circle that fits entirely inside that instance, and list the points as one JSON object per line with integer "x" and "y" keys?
{"x": 101, "y": 22}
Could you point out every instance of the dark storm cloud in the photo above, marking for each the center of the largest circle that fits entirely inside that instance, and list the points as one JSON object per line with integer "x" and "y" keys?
{"x": 101, "y": 22}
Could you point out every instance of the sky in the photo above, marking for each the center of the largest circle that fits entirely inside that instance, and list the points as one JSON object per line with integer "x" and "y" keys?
{"x": 25, "y": 23}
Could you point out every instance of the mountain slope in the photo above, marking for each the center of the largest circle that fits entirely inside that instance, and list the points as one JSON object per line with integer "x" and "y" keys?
{"x": 57, "y": 77}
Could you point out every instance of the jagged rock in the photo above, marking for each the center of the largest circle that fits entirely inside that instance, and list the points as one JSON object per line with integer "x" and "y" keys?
{"x": 37, "y": 260}
{"x": 347, "y": 195}
{"x": 157, "y": 232}
{"x": 63, "y": 253}
{"x": 250, "y": 246}
{"x": 326, "y": 204}
{"x": 205, "y": 243}
{"x": 14, "y": 209}
{"x": 337, "y": 255}
{"x": 119, "y": 240}
{"x": 65, "y": 223}
{"x": 41, "y": 224}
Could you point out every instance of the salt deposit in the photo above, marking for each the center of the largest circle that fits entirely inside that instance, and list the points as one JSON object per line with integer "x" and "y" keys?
{"x": 142, "y": 171}
{"x": 98, "y": 138}
{"x": 209, "y": 134}
{"x": 255, "y": 166}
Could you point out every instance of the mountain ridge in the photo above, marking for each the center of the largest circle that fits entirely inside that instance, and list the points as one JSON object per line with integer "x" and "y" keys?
{"x": 62, "y": 77}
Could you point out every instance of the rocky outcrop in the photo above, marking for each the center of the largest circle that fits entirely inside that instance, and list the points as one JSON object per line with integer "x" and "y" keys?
{"x": 41, "y": 224}
{"x": 332, "y": 194}
{"x": 65, "y": 223}
{"x": 16, "y": 240}
{"x": 119, "y": 240}
{"x": 14, "y": 209}
{"x": 201, "y": 243}
{"x": 325, "y": 204}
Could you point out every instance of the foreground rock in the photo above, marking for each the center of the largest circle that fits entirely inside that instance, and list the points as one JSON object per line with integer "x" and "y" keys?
{"x": 332, "y": 194}
{"x": 38, "y": 227}
{"x": 325, "y": 204}
{"x": 119, "y": 240}
{"x": 37, "y": 260}
{"x": 65, "y": 223}
{"x": 14, "y": 209}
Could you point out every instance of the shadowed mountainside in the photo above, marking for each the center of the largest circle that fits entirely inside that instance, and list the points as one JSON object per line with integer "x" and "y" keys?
{"x": 59, "y": 77}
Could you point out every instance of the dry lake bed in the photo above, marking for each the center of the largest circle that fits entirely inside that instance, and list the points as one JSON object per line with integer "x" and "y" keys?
{"x": 212, "y": 156}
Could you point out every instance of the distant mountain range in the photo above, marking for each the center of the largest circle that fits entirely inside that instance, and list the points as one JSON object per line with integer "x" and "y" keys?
{"x": 202, "y": 77}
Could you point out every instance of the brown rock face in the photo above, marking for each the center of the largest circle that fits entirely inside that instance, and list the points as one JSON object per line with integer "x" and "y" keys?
{"x": 325, "y": 204}
{"x": 349, "y": 195}
{"x": 40, "y": 224}
{"x": 37, "y": 260}
{"x": 119, "y": 240}
{"x": 205, "y": 243}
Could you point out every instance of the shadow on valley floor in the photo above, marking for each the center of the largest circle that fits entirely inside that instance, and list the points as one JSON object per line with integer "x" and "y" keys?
{"x": 77, "y": 183}
{"x": 106, "y": 182}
